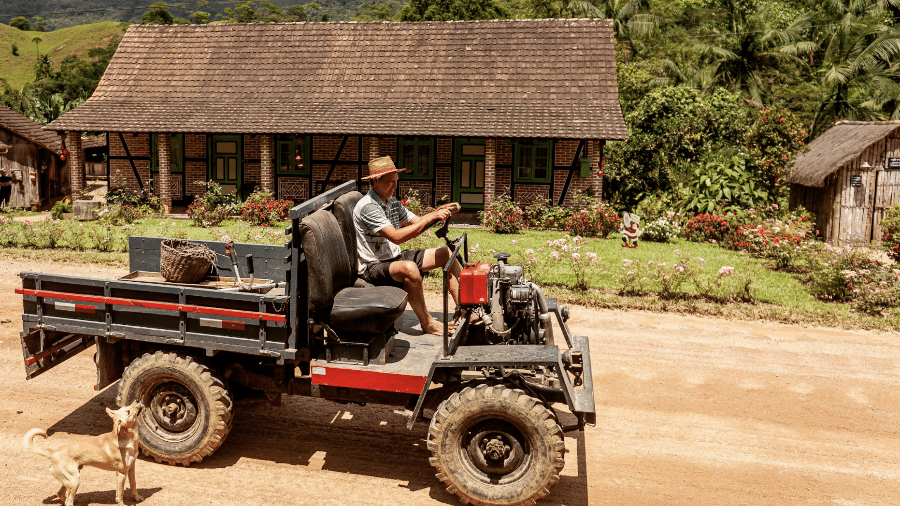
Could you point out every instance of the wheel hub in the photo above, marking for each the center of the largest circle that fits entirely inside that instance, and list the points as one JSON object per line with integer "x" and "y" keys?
{"x": 495, "y": 447}
{"x": 174, "y": 407}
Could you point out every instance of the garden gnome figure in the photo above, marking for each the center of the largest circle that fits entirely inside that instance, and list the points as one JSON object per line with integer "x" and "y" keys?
{"x": 630, "y": 230}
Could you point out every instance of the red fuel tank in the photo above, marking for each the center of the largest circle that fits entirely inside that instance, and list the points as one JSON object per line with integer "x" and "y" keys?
{"x": 473, "y": 285}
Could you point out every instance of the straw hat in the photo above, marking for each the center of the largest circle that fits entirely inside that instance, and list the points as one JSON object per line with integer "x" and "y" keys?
{"x": 381, "y": 166}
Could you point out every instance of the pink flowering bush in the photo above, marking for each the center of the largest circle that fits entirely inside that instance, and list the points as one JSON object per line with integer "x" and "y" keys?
{"x": 672, "y": 277}
{"x": 851, "y": 275}
{"x": 260, "y": 209}
{"x": 503, "y": 216}
{"x": 584, "y": 263}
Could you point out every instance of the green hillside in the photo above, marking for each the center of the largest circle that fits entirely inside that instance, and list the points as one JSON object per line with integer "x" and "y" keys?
{"x": 77, "y": 40}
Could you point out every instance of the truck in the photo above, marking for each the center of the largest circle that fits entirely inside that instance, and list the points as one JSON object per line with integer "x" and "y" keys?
{"x": 494, "y": 385}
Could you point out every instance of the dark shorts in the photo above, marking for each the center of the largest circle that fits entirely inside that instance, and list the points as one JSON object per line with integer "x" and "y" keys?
{"x": 379, "y": 273}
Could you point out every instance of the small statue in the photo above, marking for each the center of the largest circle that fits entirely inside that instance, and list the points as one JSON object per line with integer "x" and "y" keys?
{"x": 630, "y": 230}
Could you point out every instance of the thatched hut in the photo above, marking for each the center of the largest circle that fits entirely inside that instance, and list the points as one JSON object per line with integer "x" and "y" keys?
{"x": 849, "y": 178}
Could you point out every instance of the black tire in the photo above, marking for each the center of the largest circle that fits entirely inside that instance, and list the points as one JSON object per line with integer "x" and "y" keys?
{"x": 496, "y": 446}
{"x": 187, "y": 410}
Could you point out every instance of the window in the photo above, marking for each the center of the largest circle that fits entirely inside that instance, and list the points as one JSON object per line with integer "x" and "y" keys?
{"x": 416, "y": 156}
{"x": 532, "y": 162}
{"x": 176, "y": 153}
{"x": 292, "y": 155}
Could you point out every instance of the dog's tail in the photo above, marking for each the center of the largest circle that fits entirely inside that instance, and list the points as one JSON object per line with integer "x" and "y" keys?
{"x": 28, "y": 442}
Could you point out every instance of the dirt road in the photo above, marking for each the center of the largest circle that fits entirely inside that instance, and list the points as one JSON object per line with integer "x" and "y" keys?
{"x": 691, "y": 411}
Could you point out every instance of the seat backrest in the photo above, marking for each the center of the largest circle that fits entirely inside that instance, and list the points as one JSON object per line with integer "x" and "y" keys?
{"x": 343, "y": 211}
{"x": 327, "y": 262}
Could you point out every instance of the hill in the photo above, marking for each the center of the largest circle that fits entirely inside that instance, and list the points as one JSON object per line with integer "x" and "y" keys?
{"x": 77, "y": 40}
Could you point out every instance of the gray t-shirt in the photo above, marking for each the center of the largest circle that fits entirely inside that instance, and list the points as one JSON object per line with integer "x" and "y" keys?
{"x": 370, "y": 216}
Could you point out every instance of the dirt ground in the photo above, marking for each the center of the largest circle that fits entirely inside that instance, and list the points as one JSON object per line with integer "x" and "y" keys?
{"x": 691, "y": 411}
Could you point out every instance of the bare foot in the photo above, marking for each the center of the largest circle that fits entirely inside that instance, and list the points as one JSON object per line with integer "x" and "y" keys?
{"x": 435, "y": 327}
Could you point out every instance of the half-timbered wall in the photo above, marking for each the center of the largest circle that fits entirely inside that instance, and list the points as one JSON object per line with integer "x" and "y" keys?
{"x": 337, "y": 159}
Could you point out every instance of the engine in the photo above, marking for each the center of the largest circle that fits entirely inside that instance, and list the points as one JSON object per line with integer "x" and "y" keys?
{"x": 509, "y": 308}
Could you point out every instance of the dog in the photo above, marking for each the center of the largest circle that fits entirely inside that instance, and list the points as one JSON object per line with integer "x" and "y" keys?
{"x": 115, "y": 451}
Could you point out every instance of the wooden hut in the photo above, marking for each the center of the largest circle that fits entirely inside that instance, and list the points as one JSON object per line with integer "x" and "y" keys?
{"x": 34, "y": 159}
{"x": 848, "y": 179}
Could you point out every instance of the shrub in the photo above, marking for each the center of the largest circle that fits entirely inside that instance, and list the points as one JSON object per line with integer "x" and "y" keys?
{"x": 503, "y": 216}
{"x": 60, "y": 207}
{"x": 769, "y": 233}
{"x": 890, "y": 232}
{"x": 134, "y": 198}
{"x": 262, "y": 210}
{"x": 584, "y": 263}
{"x": 543, "y": 215}
{"x": 660, "y": 230}
{"x": 849, "y": 274}
{"x": 596, "y": 221}
{"x": 212, "y": 208}
{"x": 417, "y": 202}
{"x": 707, "y": 228}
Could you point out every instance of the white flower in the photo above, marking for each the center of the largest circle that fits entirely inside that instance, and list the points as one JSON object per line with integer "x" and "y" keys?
{"x": 554, "y": 255}
{"x": 529, "y": 251}
{"x": 226, "y": 238}
{"x": 592, "y": 257}
{"x": 726, "y": 270}
{"x": 677, "y": 252}
{"x": 576, "y": 256}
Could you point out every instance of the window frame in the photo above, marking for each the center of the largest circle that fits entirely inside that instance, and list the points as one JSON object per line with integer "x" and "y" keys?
{"x": 533, "y": 144}
{"x": 306, "y": 150}
{"x": 410, "y": 175}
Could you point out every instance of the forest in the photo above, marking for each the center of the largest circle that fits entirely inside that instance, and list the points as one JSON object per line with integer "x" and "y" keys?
{"x": 712, "y": 90}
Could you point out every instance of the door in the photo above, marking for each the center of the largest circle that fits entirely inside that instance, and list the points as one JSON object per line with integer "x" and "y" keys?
{"x": 225, "y": 162}
{"x": 468, "y": 174}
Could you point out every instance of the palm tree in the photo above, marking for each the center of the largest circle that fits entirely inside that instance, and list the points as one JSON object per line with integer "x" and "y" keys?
{"x": 752, "y": 47}
{"x": 630, "y": 19}
{"x": 857, "y": 63}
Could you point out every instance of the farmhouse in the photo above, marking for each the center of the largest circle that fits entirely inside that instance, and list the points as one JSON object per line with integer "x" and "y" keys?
{"x": 33, "y": 157}
{"x": 849, "y": 178}
{"x": 470, "y": 109}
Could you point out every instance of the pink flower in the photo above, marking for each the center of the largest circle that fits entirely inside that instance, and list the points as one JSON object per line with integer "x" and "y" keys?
{"x": 726, "y": 270}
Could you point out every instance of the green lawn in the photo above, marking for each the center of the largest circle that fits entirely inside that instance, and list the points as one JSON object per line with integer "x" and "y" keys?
{"x": 78, "y": 40}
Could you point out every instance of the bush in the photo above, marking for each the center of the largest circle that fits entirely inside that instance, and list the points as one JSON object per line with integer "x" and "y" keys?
{"x": 134, "y": 198}
{"x": 503, "y": 216}
{"x": 770, "y": 233}
{"x": 212, "y": 208}
{"x": 707, "y": 228}
{"x": 890, "y": 232}
{"x": 60, "y": 207}
{"x": 660, "y": 230}
{"x": 262, "y": 210}
{"x": 848, "y": 274}
{"x": 598, "y": 221}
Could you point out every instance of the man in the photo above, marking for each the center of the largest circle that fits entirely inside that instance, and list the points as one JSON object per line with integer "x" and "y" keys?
{"x": 382, "y": 224}
{"x": 5, "y": 188}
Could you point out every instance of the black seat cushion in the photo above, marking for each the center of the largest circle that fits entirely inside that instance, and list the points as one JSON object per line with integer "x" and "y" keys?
{"x": 367, "y": 310}
{"x": 343, "y": 212}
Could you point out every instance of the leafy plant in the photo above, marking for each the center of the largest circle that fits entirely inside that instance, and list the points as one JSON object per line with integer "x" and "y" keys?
{"x": 61, "y": 207}
{"x": 724, "y": 185}
{"x": 262, "y": 210}
{"x": 660, "y": 230}
{"x": 707, "y": 228}
{"x": 890, "y": 232}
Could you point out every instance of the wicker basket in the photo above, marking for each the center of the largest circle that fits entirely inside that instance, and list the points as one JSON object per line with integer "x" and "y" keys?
{"x": 183, "y": 261}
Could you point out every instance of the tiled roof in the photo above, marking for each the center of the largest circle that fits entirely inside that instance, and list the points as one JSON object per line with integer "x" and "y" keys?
{"x": 29, "y": 129}
{"x": 509, "y": 78}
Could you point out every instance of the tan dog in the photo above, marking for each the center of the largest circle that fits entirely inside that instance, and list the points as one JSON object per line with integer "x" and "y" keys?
{"x": 115, "y": 451}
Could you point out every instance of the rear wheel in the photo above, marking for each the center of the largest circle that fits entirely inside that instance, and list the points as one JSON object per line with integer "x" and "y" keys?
{"x": 187, "y": 410}
{"x": 496, "y": 446}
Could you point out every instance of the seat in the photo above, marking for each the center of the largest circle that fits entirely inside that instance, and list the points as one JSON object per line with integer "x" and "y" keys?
{"x": 353, "y": 313}
{"x": 343, "y": 212}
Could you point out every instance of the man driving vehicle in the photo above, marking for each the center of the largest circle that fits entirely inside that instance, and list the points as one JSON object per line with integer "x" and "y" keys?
{"x": 382, "y": 225}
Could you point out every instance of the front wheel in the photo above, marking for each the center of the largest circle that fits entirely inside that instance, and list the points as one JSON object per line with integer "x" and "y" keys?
{"x": 187, "y": 410}
{"x": 496, "y": 446}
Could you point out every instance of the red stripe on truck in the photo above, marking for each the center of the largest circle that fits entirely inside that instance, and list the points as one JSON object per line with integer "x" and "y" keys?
{"x": 188, "y": 308}
{"x": 366, "y": 380}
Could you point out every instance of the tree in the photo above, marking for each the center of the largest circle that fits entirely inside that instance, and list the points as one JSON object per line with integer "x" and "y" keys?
{"x": 450, "y": 10}
{"x": 15, "y": 49}
{"x": 159, "y": 14}
{"x": 37, "y": 46}
{"x": 858, "y": 64}
{"x": 751, "y": 47}
{"x": 20, "y": 22}
{"x": 43, "y": 67}
{"x": 39, "y": 24}
{"x": 200, "y": 18}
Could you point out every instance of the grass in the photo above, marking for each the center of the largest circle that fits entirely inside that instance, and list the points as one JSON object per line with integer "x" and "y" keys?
{"x": 78, "y": 40}
{"x": 779, "y": 296}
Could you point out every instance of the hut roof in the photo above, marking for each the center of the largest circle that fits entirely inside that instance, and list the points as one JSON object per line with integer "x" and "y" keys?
{"x": 29, "y": 129}
{"x": 838, "y": 145}
{"x": 548, "y": 78}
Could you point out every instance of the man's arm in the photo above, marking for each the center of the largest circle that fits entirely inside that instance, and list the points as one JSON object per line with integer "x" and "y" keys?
{"x": 417, "y": 224}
